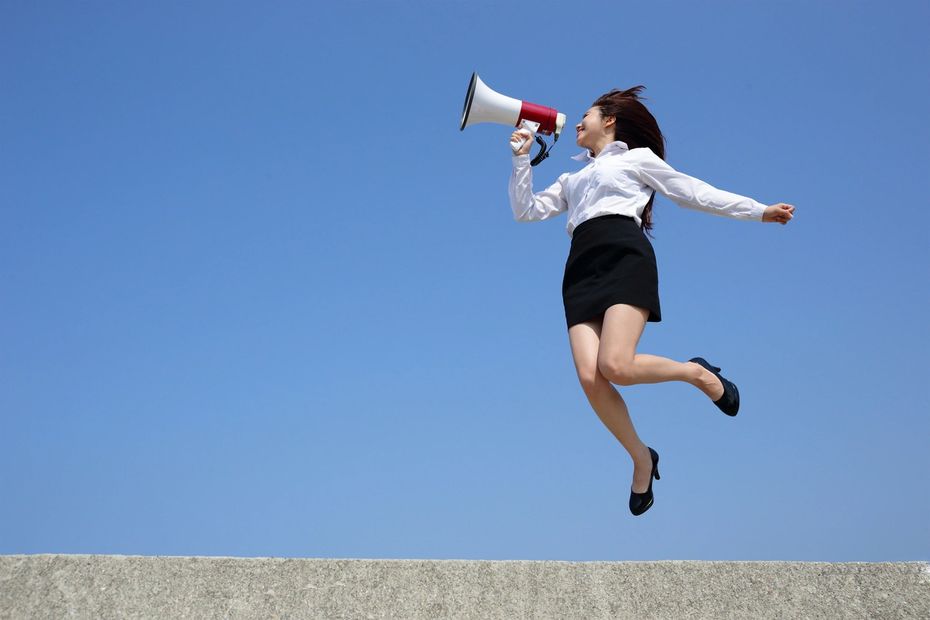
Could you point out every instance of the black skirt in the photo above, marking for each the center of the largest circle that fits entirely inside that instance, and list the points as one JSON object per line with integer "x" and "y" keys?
{"x": 611, "y": 261}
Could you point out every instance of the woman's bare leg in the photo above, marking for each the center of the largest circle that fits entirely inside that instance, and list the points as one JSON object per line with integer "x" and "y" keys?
{"x": 620, "y": 364}
{"x": 606, "y": 400}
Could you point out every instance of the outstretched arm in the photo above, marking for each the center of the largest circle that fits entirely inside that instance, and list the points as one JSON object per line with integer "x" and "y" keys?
{"x": 693, "y": 193}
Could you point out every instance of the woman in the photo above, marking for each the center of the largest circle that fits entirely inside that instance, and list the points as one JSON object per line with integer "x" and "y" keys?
{"x": 610, "y": 286}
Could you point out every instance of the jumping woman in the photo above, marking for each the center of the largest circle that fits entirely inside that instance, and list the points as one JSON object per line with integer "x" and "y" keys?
{"x": 610, "y": 289}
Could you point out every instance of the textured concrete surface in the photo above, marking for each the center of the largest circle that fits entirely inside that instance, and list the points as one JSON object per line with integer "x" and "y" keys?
{"x": 98, "y": 586}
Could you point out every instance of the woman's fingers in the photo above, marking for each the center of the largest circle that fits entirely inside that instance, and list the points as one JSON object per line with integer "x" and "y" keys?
{"x": 779, "y": 212}
{"x": 519, "y": 136}
{"x": 787, "y": 213}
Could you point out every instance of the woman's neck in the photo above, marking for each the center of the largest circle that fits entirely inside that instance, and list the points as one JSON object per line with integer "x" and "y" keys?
{"x": 599, "y": 146}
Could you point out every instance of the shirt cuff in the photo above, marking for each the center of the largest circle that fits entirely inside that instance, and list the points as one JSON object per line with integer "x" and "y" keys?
{"x": 519, "y": 159}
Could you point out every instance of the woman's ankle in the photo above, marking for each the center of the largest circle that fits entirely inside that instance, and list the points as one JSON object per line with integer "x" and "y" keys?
{"x": 641, "y": 454}
{"x": 695, "y": 374}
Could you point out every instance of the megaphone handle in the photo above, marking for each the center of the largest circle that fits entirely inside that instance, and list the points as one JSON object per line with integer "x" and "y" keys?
{"x": 530, "y": 126}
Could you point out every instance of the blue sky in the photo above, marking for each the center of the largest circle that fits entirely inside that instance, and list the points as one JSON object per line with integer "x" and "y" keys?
{"x": 259, "y": 296}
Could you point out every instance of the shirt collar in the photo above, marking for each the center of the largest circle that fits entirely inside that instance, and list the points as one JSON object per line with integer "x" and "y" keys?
{"x": 618, "y": 146}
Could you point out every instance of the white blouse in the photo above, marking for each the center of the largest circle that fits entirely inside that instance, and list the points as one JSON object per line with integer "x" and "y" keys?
{"x": 619, "y": 180}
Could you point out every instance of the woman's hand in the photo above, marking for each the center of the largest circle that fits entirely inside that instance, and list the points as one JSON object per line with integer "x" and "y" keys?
{"x": 779, "y": 213}
{"x": 518, "y": 135}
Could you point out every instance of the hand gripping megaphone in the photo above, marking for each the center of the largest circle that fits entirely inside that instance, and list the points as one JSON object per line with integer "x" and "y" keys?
{"x": 483, "y": 105}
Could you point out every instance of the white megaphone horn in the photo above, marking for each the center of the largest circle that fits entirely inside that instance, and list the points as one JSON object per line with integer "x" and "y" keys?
{"x": 484, "y": 105}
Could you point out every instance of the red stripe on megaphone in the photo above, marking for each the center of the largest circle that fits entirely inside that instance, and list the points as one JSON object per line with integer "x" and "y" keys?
{"x": 546, "y": 117}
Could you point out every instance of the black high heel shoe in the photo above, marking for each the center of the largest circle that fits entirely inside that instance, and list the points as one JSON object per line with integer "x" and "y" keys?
{"x": 641, "y": 502}
{"x": 729, "y": 402}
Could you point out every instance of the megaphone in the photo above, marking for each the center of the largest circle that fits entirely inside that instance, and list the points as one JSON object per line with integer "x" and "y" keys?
{"x": 484, "y": 105}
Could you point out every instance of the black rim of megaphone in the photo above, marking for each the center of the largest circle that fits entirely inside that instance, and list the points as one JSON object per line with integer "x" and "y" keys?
{"x": 468, "y": 98}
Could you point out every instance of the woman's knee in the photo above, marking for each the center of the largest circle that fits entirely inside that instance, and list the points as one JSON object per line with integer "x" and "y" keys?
{"x": 616, "y": 370}
{"x": 622, "y": 328}
{"x": 588, "y": 379}
{"x": 585, "y": 340}
{"x": 594, "y": 384}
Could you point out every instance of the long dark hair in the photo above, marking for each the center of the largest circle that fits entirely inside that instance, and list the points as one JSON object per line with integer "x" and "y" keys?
{"x": 636, "y": 126}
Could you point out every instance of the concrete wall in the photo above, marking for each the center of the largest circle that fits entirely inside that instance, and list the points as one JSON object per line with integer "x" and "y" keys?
{"x": 94, "y": 586}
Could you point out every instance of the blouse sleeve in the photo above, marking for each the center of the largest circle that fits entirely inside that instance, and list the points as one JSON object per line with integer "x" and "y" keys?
{"x": 687, "y": 191}
{"x": 530, "y": 207}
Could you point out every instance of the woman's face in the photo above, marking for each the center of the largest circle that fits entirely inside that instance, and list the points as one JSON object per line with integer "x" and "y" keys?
{"x": 593, "y": 128}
